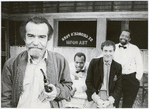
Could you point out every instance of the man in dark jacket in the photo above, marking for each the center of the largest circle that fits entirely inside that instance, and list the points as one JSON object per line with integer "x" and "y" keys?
{"x": 104, "y": 78}
{"x": 26, "y": 77}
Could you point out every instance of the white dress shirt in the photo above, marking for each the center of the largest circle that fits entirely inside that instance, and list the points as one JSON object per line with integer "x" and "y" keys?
{"x": 78, "y": 78}
{"x": 106, "y": 77}
{"x": 130, "y": 59}
{"x": 33, "y": 85}
{"x": 79, "y": 98}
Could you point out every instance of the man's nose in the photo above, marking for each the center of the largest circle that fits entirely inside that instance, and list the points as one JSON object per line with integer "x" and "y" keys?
{"x": 79, "y": 64}
{"x": 108, "y": 53}
{"x": 36, "y": 41}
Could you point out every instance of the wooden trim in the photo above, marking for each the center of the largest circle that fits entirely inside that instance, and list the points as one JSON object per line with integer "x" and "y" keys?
{"x": 109, "y": 15}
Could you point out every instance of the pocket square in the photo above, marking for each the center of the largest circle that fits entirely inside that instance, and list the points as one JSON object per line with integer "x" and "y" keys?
{"x": 115, "y": 78}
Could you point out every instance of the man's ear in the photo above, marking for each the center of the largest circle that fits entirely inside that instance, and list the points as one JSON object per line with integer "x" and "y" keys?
{"x": 129, "y": 39}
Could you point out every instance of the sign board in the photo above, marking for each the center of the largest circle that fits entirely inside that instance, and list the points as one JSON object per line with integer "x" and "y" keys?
{"x": 77, "y": 33}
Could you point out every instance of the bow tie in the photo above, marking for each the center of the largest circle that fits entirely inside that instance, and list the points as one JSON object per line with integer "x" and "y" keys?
{"x": 80, "y": 71}
{"x": 122, "y": 46}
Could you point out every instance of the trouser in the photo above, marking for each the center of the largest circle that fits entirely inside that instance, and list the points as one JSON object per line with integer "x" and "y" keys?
{"x": 130, "y": 87}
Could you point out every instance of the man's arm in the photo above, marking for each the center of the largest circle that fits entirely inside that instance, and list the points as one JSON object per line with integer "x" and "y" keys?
{"x": 6, "y": 99}
{"x": 139, "y": 64}
{"x": 89, "y": 82}
{"x": 65, "y": 83}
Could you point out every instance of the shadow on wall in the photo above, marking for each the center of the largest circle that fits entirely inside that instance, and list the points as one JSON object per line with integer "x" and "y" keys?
{"x": 15, "y": 50}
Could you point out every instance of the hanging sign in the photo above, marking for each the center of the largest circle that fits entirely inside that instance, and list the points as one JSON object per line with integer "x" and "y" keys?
{"x": 77, "y": 33}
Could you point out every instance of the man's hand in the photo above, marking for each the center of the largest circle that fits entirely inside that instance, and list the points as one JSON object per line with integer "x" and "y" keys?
{"x": 100, "y": 103}
{"x": 97, "y": 99}
{"x": 48, "y": 96}
{"x": 106, "y": 104}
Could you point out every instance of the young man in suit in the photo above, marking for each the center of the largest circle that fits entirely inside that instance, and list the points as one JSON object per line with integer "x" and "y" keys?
{"x": 104, "y": 78}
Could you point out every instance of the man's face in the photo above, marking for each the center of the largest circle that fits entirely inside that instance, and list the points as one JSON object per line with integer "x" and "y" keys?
{"x": 79, "y": 63}
{"x": 36, "y": 39}
{"x": 124, "y": 37}
{"x": 108, "y": 52}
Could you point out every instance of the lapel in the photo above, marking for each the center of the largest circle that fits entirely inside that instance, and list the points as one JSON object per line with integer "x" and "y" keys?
{"x": 22, "y": 64}
{"x": 100, "y": 73}
{"x": 112, "y": 73}
{"x": 19, "y": 72}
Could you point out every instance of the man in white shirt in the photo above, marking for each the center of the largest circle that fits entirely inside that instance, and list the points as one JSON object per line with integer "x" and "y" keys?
{"x": 129, "y": 56}
{"x": 78, "y": 72}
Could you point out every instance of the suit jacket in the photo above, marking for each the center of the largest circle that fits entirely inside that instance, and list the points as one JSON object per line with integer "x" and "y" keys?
{"x": 95, "y": 75}
{"x": 58, "y": 73}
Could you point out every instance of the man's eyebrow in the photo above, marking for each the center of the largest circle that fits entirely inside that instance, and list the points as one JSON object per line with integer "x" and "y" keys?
{"x": 29, "y": 34}
{"x": 42, "y": 35}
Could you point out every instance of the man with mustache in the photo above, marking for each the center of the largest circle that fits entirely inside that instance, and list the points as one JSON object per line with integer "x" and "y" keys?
{"x": 37, "y": 77}
{"x": 129, "y": 56}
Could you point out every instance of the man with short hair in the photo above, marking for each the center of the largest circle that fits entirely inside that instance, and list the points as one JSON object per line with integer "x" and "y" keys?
{"x": 129, "y": 56}
{"x": 78, "y": 72}
{"x": 103, "y": 79}
{"x": 36, "y": 78}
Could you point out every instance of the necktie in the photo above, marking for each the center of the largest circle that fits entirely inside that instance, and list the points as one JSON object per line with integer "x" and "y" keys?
{"x": 107, "y": 75}
{"x": 122, "y": 46}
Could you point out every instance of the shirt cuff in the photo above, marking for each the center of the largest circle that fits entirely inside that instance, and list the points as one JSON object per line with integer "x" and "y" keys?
{"x": 138, "y": 77}
{"x": 111, "y": 99}
{"x": 95, "y": 97}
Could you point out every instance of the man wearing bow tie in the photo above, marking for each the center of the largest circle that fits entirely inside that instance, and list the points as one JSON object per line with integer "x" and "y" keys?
{"x": 78, "y": 72}
{"x": 129, "y": 56}
{"x": 103, "y": 79}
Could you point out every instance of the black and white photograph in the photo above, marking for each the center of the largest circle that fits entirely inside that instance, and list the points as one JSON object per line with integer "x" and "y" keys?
{"x": 74, "y": 54}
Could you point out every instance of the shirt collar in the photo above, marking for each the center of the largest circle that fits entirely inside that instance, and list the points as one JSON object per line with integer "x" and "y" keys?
{"x": 109, "y": 62}
{"x": 32, "y": 61}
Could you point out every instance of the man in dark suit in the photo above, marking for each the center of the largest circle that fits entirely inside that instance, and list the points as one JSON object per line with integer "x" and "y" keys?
{"x": 104, "y": 78}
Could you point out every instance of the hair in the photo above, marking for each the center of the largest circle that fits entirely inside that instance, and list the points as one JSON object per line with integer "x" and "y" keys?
{"x": 36, "y": 20}
{"x": 79, "y": 54}
{"x": 108, "y": 43}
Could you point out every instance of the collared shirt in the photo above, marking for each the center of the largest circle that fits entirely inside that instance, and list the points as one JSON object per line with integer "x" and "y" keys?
{"x": 78, "y": 79}
{"x": 33, "y": 85}
{"x": 130, "y": 59}
{"x": 106, "y": 75}
{"x": 81, "y": 74}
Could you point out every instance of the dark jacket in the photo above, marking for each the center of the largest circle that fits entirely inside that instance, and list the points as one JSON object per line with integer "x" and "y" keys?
{"x": 58, "y": 73}
{"x": 94, "y": 78}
